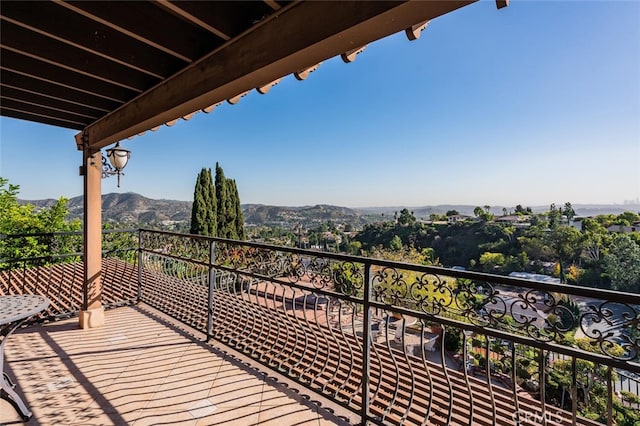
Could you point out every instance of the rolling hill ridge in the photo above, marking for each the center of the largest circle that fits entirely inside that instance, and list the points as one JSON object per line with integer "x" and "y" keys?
{"x": 132, "y": 208}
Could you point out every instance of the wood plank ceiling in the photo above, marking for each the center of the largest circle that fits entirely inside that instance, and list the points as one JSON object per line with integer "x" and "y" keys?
{"x": 113, "y": 69}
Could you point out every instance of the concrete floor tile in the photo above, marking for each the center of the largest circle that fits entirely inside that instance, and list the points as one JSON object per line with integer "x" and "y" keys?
{"x": 236, "y": 390}
{"x": 137, "y": 370}
{"x": 92, "y": 416}
{"x": 180, "y": 397}
{"x": 232, "y": 416}
{"x": 164, "y": 417}
{"x": 287, "y": 414}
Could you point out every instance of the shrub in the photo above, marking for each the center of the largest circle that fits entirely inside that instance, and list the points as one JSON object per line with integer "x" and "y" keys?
{"x": 453, "y": 340}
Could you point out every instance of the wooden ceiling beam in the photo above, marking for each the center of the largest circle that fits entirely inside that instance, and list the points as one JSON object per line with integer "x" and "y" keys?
{"x": 8, "y": 92}
{"x": 24, "y": 65}
{"x": 124, "y": 17}
{"x": 272, "y": 4}
{"x": 43, "y": 115}
{"x": 55, "y": 91}
{"x": 264, "y": 55}
{"x": 28, "y": 43}
{"x": 51, "y": 121}
{"x": 180, "y": 11}
{"x": 96, "y": 38}
{"x": 225, "y": 19}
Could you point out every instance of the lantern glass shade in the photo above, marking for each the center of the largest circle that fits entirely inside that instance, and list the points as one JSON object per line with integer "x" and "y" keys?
{"x": 118, "y": 157}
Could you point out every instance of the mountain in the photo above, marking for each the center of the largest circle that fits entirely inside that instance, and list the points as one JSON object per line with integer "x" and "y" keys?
{"x": 128, "y": 208}
{"x": 424, "y": 211}
{"x": 259, "y": 214}
{"x": 132, "y": 208}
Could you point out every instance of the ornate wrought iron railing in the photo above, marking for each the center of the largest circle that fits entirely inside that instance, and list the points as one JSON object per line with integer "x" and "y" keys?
{"x": 401, "y": 343}
{"x": 395, "y": 343}
{"x": 51, "y": 264}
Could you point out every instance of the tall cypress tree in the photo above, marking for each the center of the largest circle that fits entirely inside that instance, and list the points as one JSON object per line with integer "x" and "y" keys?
{"x": 221, "y": 196}
{"x": 203, "y": 210}
{"x": 198, "y": 208}
{"x": 226, "y": 215}
{"x": 231, "y": 230}
{"x": 239, "y": 219}
{"x": 212, "y": 211}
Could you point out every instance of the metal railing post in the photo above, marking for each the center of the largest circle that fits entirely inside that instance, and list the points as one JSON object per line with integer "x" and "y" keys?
{"x": 212, "y": 280}
{"x": 609, "y": 397}
{"x": 366, "y": 347}
{"x": 139, "y": 266}
{"x": 574, "y": 391}
{"x": 543, "y": 383}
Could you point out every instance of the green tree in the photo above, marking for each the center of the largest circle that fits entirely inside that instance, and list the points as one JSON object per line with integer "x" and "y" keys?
{"x": 492, "y": 261}
{"x": 355, "y": 248}
{"x": 522, "y": 211}
{"x": 406, "y": 217}
{"x": 203, "y": 210}
{"x": 395, "y": 244}
{"x": 228, "y": 215}
{"x": 566, "y": 243}
{"x": 622, "y": 264}
{"x": 484, "y": 215}
{"x": 595, "y": 239}
{"x": 627, "y": 218}
{"x": 226, "y": 209}
{"x": 54, "y": 219}
{"x": 554, "y": 215}
{"x": 230, "y": 229}
{"x": 568, "y": 211}
{"x": 238, "y": 224}
{"x": 15, "y": 218}
{"x": 24, "y": 219}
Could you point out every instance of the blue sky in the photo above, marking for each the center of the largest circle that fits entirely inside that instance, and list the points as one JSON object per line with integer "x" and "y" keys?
{"x": 534, "y": 104}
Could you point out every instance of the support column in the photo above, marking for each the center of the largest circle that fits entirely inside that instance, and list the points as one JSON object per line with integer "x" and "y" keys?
{"x": 92, "y": 313}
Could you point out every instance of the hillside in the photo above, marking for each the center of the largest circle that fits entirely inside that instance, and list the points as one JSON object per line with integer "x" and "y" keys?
{"x": 131, "y": 208}
{"x": 423, "y": 212}
{"x": 258, "y": 214}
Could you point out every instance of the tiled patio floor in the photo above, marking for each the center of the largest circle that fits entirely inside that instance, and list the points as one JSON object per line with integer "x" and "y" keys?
{"x": 141, "y": 369}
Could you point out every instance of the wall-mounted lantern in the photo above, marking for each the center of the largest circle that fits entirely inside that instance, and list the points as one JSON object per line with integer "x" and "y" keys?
{"x": 118, "y": 157}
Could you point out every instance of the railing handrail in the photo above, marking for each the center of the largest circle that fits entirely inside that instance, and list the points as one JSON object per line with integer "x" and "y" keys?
{"x": 594, "y": 293}
{"x": 63, "y": 233}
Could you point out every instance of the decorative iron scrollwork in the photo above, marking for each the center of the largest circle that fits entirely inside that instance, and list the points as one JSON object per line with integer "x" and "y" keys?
{"x": 610, "y": 328}
{"x": 614, "y": 328}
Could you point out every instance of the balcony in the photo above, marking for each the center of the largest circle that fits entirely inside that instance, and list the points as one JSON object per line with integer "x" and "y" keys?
{"x": 143, "y": 369}
{"x": 190, "y": 312}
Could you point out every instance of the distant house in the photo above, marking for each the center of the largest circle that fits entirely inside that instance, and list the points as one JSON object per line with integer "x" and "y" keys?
{"x": 458, "y": 218}
{"x": 434, "y": 222}
{"x": 514, "y": 218}
{"x": 518, "y": 221}
{"x": 634, "y": 227}
{"x": 576, "y": 222}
